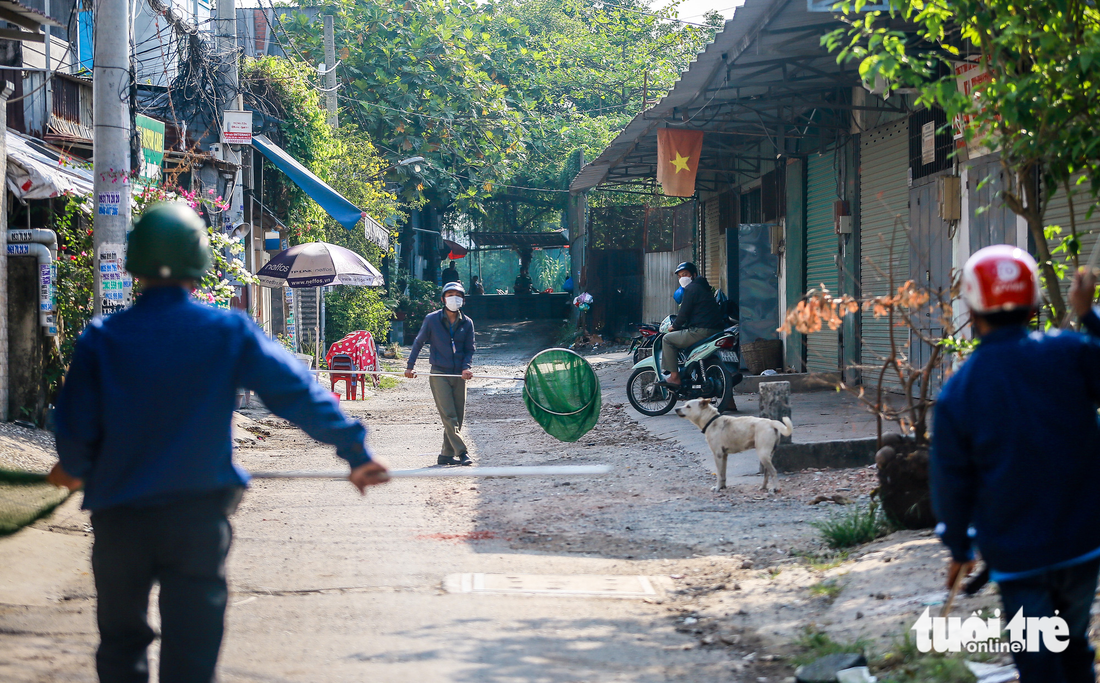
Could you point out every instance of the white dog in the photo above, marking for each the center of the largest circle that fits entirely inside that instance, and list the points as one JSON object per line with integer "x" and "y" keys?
{"x": 726, "y": 434}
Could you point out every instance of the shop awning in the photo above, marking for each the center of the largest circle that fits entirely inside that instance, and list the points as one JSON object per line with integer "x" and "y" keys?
{"x": 36, "y": 171}
{"x": 335, "y": 204}
{"x": 544, "y": 240}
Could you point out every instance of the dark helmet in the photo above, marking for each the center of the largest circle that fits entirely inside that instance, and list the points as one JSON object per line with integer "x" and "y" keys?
{"x": 169, "y": 241}
{"x": 688, "y": 266}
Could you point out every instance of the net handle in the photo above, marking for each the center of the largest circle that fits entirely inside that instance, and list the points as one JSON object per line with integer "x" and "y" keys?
{"x": 527, "y": 391}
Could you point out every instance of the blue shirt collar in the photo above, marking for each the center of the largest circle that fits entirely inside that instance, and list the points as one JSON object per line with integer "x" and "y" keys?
{"x": 163, "y": 295}
{"x": 1005, "y": 334}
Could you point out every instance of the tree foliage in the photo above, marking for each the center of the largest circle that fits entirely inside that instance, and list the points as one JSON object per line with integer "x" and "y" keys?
{"x": 497, "y": 95}
{"x": 346, "y": 159}
{"x": 1038, "y": 108}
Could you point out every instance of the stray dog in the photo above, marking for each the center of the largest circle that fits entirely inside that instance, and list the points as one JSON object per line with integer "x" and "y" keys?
{"x": 726, "y": 434}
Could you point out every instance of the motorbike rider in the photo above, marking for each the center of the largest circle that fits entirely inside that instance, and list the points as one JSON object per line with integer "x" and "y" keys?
{"x": 699, "y": 317}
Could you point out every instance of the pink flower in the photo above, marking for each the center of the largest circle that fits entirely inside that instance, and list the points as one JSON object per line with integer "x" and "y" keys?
{"x": 210, "y": 191}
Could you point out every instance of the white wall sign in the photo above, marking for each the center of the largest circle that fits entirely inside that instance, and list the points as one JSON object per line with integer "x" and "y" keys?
{"x": 237, "y": 127}
{"x": 928, "y": 143}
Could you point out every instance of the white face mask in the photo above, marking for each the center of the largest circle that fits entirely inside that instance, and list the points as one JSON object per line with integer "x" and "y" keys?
{"x": 453, "y": 303}
{"x": 685, "y": 281}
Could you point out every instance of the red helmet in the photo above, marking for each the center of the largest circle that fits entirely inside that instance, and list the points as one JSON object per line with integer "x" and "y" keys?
{"x": 1000, "y": 278}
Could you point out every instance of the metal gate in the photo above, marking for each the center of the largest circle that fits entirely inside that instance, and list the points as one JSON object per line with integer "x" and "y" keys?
{"x": 991, "y": 221}
{"x": 929, "y": 266}
{"x": 822, "y": 348}
{"x": 615, "y": 282}
{"x": 884, "y": 234}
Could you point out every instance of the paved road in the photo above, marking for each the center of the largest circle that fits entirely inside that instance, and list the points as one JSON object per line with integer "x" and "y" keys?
{"x": 328, "y": 586}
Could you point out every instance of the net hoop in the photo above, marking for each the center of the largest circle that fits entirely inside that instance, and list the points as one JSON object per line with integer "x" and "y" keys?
{"x": 527, "y": 391}
{"x": 552, "y": 385}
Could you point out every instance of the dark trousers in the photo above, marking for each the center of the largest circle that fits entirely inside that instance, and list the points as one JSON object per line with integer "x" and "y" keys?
{"x": 1070, "y": 592}
{"x": 181, "y": 545}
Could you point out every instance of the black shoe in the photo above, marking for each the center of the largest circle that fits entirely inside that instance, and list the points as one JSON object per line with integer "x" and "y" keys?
{"x": 447, "y": 460}
{"x": 464, "y": 460}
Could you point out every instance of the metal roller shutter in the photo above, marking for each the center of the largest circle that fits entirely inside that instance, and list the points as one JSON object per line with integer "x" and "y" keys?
{"x": 822, "y": 348}
{"x": 715, "y": 256}
{"x": 884, "y": 238}
{"x": 1057, "y": 213}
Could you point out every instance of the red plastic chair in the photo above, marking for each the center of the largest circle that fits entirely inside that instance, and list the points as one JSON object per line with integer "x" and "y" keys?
{"x": 342, "y": 361}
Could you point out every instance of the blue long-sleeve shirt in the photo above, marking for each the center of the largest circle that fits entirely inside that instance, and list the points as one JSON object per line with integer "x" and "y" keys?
{"x": 145, "y": 412}
{"x": 452, "y": 345}
{"x": 1016, "y": 453}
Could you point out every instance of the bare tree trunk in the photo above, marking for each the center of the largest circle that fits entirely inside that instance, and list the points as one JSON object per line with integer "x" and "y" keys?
{"x": 1031, "y": 211}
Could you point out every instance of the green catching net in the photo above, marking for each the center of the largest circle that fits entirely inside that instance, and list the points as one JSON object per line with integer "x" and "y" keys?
{"x": 562, "y": 393}
{"x": 25, "y": 497}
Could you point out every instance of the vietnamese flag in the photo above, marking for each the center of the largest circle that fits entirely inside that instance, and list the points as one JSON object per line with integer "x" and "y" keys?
{"x": 678, "y": 160}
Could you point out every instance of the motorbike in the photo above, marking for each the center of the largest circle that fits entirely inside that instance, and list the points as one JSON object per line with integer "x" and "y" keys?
{"x": 642, "y": 345}
{"x": 709, "y": 369}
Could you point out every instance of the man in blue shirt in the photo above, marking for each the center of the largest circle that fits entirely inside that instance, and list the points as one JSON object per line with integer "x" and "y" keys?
{"x": 1015, "y": 461}
{"x": 144, "y": 420}
{"x": 450, "y": 334}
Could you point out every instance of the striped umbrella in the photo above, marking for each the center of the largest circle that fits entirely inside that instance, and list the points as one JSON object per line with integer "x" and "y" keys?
{"x": 316, "y": 264}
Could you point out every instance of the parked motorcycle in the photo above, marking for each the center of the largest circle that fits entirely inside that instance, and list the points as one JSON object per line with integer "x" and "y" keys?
{"x": 709, "y": 369}
{"x": 642, "y": 345}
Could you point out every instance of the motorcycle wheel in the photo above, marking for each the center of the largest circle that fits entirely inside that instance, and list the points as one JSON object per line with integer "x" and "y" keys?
{"x": 644, "y": 394}
{"x": 716, "y": 375}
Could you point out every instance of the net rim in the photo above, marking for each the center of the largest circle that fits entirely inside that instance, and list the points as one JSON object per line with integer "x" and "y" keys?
{"x": 527, "y": 392}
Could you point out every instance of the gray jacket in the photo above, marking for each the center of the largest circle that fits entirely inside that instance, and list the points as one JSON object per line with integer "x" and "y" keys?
{"x": 452, "y": 345}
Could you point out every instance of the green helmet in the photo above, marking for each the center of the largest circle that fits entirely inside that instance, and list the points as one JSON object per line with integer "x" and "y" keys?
{"x": 169, "y": 241}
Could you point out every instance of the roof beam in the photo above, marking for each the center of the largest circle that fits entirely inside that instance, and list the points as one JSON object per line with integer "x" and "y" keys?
{"x": 26, "y": 36}
{"x": 19, "y": 20}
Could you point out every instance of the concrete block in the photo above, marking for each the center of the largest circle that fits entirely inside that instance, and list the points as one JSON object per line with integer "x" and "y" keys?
{"x": 793, "y": 457}
{"x": 801, "y": 382}
{"x": 775, "y": 402}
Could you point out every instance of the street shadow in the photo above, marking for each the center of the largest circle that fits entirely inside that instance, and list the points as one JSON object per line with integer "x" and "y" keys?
{"x": 551, "y": 650}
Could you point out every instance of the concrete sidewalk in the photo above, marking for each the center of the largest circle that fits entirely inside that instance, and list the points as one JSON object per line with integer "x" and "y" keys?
{"x": 817, "y": 416}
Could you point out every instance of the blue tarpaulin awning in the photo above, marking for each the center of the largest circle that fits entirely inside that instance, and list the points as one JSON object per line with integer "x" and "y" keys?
{"x": 335, "y": 204}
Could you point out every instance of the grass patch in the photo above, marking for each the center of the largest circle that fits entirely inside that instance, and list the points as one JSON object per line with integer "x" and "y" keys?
{"x": 906, "y": 664}
{"x": 828, "y": 588}
{"x": 854, "y": 526}
{"x": 822, "y": 562}
{"x": 816, "y": 644}
{"x": 388, "y": 382}
{"x": 903, "y": 663}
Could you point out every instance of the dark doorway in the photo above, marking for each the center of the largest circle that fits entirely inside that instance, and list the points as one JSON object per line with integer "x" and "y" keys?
{"x": 615, "y": 282}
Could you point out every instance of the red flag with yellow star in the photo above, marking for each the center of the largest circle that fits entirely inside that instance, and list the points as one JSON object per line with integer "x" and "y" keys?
{"x": 678, "y": 160}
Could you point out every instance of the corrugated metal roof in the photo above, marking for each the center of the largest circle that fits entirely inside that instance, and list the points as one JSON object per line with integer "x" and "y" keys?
{"x": 767, "y": 56}
{"x": 26, "y": 16}
{"x": 735, "y": 36}
{"x": 520, "y": 239}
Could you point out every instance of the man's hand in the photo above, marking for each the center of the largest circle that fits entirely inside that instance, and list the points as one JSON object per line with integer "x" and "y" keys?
{"x": 372, "y": 473}
{"x": 410, "y": 373}
{"x": 1082, "y": 292}
{"x": 955, "y": 569}
{"x": 60, "y": 478}
{"x": 467, "y": 374}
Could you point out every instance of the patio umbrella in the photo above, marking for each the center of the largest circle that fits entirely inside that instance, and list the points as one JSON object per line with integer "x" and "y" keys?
{"x": 317, "y": 264}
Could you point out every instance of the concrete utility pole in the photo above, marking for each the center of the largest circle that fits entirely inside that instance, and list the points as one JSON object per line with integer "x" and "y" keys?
{"x": 227, "y": 52}
{"x": 329, "y": 68}
{"x": 111, "y": 163}
{"x": 5, "y": 93}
